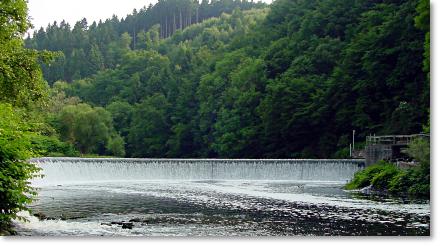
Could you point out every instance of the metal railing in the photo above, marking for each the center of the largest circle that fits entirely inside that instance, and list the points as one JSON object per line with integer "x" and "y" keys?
{"x": 394, "y": 139}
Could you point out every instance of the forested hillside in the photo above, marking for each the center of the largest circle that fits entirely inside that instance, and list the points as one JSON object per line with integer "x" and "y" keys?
{"x": 288, "y": 81}
{"x": 88, "y": 48}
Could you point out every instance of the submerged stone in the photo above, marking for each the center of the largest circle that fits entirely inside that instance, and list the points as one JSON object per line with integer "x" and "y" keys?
{"x": 127, "y": 225}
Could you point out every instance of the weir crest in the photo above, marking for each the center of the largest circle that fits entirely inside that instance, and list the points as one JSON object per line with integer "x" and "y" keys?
{"x": 72, "y": 170}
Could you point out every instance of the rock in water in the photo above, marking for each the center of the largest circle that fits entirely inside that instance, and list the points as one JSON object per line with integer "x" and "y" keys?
{"x": 135, "y": 220}
{"x": 127, "y": 225}
{"x": 40, "y": 216}
{"x": 367, "y": 190}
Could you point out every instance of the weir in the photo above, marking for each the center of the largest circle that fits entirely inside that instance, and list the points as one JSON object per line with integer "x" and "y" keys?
{"x": 80, "y": 170}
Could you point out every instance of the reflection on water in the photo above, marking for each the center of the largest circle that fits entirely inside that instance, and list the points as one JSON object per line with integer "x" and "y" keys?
{"x": 220, "y": 208}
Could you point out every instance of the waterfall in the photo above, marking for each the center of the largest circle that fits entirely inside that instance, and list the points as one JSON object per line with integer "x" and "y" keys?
{"x": 74, "y": 170}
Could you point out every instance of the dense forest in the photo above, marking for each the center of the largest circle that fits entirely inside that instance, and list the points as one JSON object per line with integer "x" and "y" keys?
{"x": 289, "y": 80}
{"x": 87, "y": 49}
{"x": 224, "y": 78}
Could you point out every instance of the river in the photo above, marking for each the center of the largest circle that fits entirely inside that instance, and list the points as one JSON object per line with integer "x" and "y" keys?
{"x": 117, "y": 197}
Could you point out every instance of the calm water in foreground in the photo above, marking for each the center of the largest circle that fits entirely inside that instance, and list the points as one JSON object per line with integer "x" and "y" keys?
{"x": 219, "y": 208}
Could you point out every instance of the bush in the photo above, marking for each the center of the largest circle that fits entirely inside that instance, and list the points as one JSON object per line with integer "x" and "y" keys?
{"x": 419, "y": 149}
{"x": 414, "y": 182}
{"x": 401, "y": 182}
{"x": 342, "y": 154}
{"x": 52, "y": 146}
{"x": 382, "y": 179}
{"x": 420, "y": 190}
{"x": 364, "y": 177}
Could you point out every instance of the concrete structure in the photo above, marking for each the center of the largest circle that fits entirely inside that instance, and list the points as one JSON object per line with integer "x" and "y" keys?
{"x": 388, "y": 148}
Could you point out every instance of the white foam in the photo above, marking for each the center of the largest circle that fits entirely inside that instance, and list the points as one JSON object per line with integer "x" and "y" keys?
{"x": 80, "y": 170}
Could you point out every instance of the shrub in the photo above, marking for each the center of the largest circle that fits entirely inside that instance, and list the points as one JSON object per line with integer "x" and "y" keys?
{"x": 420, "y": 190}
{"x": 419, "y": 149}
{"x": 52, "y": 146}
{"x": 401, "y": 182}
{"x": 382, "y": 179}
{"x": 364, "y": 177}
{"x": 342, "y": 153}
{"x": 414, "y": 181}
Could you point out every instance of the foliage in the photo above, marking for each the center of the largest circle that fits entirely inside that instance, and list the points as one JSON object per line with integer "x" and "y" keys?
{"x": 20, "y": 74}
{"x": 22, "y": 89}
{"x": 149, "y": 127}
{"x": 364, "y": 177}
{"x": 419, "y": 150}
{"x": 13, "y": 19}
{"x": 122, "y": 114}
{"x": 15, "y": 150}
{"x": 414, "y": 181}
{"x": 115, "y": 146}
{"x": 90, "y": 48}
{"x": 422, "y": 21}
{"x": 52, "y": 146}
{"x": 292, "y": 80}
{"x": 289, "y": 81}
{"x": 89, "y": 129}
{"x": 402, "y": 181}
{"x": 383, "y": 178}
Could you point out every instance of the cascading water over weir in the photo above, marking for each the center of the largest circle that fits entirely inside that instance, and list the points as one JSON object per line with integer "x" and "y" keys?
{"x": 72, "y": 170}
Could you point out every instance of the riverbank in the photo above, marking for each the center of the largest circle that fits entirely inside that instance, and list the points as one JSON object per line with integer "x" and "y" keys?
{"x": 385, "y": 179}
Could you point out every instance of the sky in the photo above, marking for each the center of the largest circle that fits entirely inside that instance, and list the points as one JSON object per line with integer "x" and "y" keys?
{"x": 43, "y": 12}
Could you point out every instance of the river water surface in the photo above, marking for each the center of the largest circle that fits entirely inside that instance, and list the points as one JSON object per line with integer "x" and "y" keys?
{"x": 207, "y": 207}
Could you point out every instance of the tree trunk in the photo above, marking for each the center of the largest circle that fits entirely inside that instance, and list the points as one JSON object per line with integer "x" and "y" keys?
{"x": 134, "y": 38}
{"x": 189, "y": 16}
{"x": 166, "y": 27}
{"x": 180, "y": 13}
{"x": 197, "y": 14}
{"x": 174, "y": 22}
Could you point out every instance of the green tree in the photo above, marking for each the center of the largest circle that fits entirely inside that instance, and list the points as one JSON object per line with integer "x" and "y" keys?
{"x": 289, "y": 81}
{"x": 122, "y": 113}
{"x": 419, "y": 149}
{"x": 422, "y": 21}
{"x": 89, "y": 129}
{"x": 115, "y": 146}
{"x": 21, "y": 80}
{"x": 21, "y": 85}
{"x": 15, "y": 171}
{"x": 238, "y": 125}
{"x": 96, "y": 60}
{"x": 150, "y": 128}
